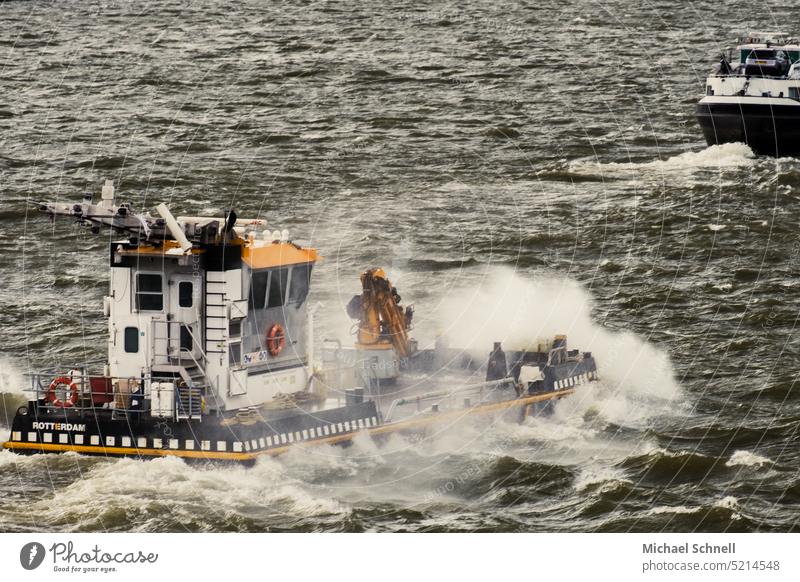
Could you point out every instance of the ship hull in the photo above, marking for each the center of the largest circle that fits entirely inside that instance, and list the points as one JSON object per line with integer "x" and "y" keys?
{"x": 91, "y": 434}
{"x": 769, "y": 126}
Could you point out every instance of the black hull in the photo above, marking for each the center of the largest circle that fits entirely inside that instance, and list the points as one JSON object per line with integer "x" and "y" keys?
{"x": 246, "y": 435}
{"x": 96, "y": 435}
{"x": 766, "y": 129}
{"x": 232, "y": 438}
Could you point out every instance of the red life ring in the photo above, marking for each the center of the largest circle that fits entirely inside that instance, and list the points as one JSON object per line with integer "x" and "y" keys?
{"x": 276, "y": 339}
{"x": 63, "y": 381}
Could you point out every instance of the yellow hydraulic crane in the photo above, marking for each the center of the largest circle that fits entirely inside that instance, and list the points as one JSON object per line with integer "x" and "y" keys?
{"x": 383, "y": 323}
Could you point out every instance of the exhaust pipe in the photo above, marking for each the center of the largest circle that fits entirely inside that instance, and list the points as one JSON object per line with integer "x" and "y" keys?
{"x": 174, "y": 227}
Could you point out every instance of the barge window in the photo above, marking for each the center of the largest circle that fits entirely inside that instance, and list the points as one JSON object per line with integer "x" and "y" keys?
{"x": 301, "y": 280}
{"x": 131, "y": 340}
{"x": 258, "y": 290}
{"x": 149, "y": 294}
{"x": 277, "y": 287}
{"x": 185, "y": 294}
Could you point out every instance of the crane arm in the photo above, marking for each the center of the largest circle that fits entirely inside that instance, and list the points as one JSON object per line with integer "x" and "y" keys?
{"x": 382, "y": 320}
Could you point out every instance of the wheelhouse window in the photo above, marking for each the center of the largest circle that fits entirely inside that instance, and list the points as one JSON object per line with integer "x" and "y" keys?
{"x": 131, "y": 340}
{"x": 277, "y": 287}
{"x": 149, "y": 292}
{"x": 268, "y": 288}
{"x": 258, "y": 290}
{"x": 301, "y": 281}
{"x": 185, "y": 294}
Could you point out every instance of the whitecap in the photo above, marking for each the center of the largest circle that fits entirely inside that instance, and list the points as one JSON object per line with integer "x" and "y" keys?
{"x": 723, "y": 156}
{"x": 746, "y": 459}
{"x": 598, "y": 474}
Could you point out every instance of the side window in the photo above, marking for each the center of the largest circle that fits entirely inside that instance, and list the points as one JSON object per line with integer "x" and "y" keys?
{"x": 301, "y": 280}
{"x": 709, "y": 90}
{"x": 149, "y": 293}
{"x": 185, "y": 294}
{"x": 258, "y": 290}
{"x": 235, "y": 354}
{"x": 794, "y": 93}
{"x": 131, "y": 340}
{"x": 277, "y": 287}
{"x": 186, "y": 339}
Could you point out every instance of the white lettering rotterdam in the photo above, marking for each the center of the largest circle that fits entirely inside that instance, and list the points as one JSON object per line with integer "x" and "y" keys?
{"x": 66, "y": 426}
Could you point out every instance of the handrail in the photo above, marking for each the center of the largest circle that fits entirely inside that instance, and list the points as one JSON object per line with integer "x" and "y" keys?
{"x": 195, "y": 344}
{"x": 444, "y": 393}
{"x": 203, "y": 355}
{"x": 83, "y": 382}
{"x": 737, "y": 75}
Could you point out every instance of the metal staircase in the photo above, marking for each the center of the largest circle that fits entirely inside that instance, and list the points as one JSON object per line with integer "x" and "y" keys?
{"x": 195, "y": 385}
{"x": 189, "y": 395}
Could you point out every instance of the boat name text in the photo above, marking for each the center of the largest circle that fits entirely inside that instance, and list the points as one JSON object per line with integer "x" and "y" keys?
{"x": 59, "y": 426}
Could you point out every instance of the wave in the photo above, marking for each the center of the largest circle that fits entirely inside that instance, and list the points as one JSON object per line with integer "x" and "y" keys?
{"x": 727, "y": 502}
{"x": 746, "y": 459}
{"x": 170, "y": 495}
{"x": 664, "y": 466}
{"x": 723, "y": 156}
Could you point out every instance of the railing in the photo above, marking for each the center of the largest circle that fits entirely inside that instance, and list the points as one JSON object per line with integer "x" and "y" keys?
{"x": 189, "y": 403}
{"x": 482, "y": 391}
{"x": 203, "y": 356}
{"x": 86, "y": 391}
{"x": 169, "y": 357}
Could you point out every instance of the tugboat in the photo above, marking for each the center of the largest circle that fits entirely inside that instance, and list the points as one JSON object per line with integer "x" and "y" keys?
{"x": 753, "y": 96}
{"x": 211, "y": 353}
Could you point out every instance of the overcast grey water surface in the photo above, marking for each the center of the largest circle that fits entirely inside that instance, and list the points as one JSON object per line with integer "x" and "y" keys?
{"x": 519, "y": 168}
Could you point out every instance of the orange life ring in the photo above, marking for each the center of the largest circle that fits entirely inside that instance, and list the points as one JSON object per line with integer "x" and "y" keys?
{"x": 63, "y": 381}
{"x": 276, "y": 339}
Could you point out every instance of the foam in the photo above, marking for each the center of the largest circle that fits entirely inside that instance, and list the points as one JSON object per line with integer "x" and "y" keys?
{"x": 727, "y": 502}
{"x": 722, "y": 156}
{"x": 727, "y": 155}
{"x": 598, "y": 474}
{"x": 182, "y": 488}
{"x": 746, "y": 459}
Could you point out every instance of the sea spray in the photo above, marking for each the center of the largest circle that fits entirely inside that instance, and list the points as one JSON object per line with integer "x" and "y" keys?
{"x": 12, "y": 395}
{"x": 637, "y": 379}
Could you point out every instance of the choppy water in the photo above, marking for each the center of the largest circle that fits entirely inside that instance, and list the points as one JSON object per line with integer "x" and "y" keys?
{"x": 521, "y": 168}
